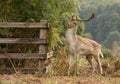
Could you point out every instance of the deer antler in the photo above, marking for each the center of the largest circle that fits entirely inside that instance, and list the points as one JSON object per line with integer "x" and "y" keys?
{"x": 91, "y": 17}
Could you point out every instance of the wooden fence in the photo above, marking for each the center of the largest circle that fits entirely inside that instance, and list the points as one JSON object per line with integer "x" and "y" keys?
{"x": 41, "y": 41}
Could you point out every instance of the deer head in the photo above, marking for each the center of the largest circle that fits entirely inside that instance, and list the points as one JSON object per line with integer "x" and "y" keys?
{"x": 76, "y": 21}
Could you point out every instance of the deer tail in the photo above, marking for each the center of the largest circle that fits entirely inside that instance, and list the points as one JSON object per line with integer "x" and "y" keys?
{"x": 101, "y": 54}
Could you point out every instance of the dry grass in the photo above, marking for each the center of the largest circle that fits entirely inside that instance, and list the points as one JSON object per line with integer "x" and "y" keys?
{"x": 30, "y": 79}
{"x": 58, "y": 73}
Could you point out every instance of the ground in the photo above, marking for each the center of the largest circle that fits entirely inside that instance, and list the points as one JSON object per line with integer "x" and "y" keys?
{"x": 33, "y": 79}
{"x": 111, "y": 70}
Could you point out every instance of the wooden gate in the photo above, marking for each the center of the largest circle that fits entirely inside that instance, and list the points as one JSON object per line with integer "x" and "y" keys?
{"x": 41, "y": 41}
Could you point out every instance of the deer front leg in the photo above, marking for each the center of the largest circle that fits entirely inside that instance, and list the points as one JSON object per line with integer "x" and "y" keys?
{"x": 73, "y": 64}
{"x": 70, "y": 64}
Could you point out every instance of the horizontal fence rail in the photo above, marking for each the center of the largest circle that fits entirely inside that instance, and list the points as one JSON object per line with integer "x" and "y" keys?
{"x": 24, "y": 25}
{"x": 26, "y": 55}
{"x": 23, "y": 41}
{"x": 23, "y": 70}
{"x": 23, "y": 56}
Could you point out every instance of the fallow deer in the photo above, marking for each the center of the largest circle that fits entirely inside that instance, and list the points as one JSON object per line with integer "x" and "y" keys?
{"x": 77, "y": 45}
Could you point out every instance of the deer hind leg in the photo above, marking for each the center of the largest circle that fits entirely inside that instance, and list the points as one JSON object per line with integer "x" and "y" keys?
{"x": 97, "y": 58}
{"x": 89, "y": 58}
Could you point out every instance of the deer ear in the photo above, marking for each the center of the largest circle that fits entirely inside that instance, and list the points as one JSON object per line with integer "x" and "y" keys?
{"x": 93, "y": 15}
{"x": 72, "y": 14}
{"x": 90, "y": 18}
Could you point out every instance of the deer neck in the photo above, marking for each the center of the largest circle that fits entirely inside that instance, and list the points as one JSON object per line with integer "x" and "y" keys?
{"x": 70, "y": 34}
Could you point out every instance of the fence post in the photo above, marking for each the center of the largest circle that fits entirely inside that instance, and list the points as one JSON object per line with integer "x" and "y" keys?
{"x": 42, "y": 48}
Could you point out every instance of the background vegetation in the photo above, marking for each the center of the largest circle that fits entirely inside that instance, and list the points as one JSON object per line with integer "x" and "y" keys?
{"x": 57, "y": 12}
{"x": 105, "y": 28}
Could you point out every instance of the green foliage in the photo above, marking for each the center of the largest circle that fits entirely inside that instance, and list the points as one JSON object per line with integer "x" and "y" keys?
{"x": 107, "y": 17}
{"x": 113, "y": 36}
{"x": 57, "y": 12}
{"x": 81, "y": 29}
{"x": 107, "y": 53}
